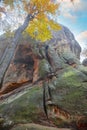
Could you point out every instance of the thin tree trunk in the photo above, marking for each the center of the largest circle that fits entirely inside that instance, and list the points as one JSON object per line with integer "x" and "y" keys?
{"x": 11, "y": 48}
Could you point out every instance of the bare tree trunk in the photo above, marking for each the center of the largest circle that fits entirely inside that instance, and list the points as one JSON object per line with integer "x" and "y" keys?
{"x": 11, "y": 48}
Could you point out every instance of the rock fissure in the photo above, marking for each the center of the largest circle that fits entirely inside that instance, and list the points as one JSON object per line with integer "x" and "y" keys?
{"x": 55, "y": 63}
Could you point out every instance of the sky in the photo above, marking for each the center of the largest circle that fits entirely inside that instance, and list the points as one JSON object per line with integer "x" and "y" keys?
{"x": 74, "y": 16}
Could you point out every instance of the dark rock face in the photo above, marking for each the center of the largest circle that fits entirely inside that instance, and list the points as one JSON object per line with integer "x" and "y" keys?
{"x": 84, "y": 62}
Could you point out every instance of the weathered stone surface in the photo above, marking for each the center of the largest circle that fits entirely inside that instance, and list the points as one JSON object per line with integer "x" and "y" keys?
{"x": 54, "y": 59}
{"x": 21, "y": 68}
{"x": 83, "y": 69}
{"x": 64, "y": 41}
{"x": 67, "y": 81}
{"x": 3, "y": 45}
{"x": 24, "y": 68}
{"x": 70, "y": 58}
{"x": 68, "y": 92}
{"x": 44, "y": 68}
{"x": 84, "y": 62}
{"x": 33, "y": 126}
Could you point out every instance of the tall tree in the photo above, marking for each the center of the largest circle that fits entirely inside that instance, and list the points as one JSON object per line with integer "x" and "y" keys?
{"x": 37, "y": 24}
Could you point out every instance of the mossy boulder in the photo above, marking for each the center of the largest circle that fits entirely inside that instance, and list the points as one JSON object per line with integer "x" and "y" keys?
{"x": 69, "y": 58}
{"x": 70, "y": 90}
{"x": 83, "y": 69}
{"x": 44, "y": 68}
{"x": 27, "y": 108}
{"x": 84, "y": 62}
{"x": 54, "y": 58}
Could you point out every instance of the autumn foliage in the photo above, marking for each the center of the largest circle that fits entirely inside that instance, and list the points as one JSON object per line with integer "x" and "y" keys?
{"x": 40, "y": 27}
{"x": 41, "y": 24}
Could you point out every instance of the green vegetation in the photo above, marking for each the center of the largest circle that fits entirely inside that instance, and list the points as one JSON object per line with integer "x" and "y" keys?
{"x": 83, "y": 69}
{"x": 44, "y": 68}
{"x": 25, "y": 108}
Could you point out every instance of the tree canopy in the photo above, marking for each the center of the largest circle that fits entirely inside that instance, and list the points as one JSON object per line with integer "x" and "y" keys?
{"x": 41, "y": 24}
{"x": 41, "y": 13}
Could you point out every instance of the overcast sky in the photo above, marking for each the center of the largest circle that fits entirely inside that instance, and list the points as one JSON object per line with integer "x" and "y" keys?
{"x": 74, "y": 16}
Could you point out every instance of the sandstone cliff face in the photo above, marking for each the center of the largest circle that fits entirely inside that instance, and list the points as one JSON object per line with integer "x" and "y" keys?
{"x": 37, "y": 66}
{"x": 64, "y": 41}
{"x": 25, "y": 64}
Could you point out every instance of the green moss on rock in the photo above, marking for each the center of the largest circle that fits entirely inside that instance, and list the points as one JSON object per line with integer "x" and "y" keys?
{"x": 70, "y": 91}
{"x": 69, "y": 58}
{"x": 83, "y": 69}
{"x": 44, "y": 68}
{"x": 24, "y": 109}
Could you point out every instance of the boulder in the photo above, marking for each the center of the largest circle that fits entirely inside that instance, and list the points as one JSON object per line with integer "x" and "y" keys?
{"x": 84, "y": 62}
{"x": 68, "y": 104}
{"x": 56, "y": 66}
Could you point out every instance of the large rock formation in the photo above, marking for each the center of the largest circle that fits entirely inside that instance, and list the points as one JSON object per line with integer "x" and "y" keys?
{"x": 68, "y": 104}
{"x": 21, "y": 69}
{"x": 54, "y": 66}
